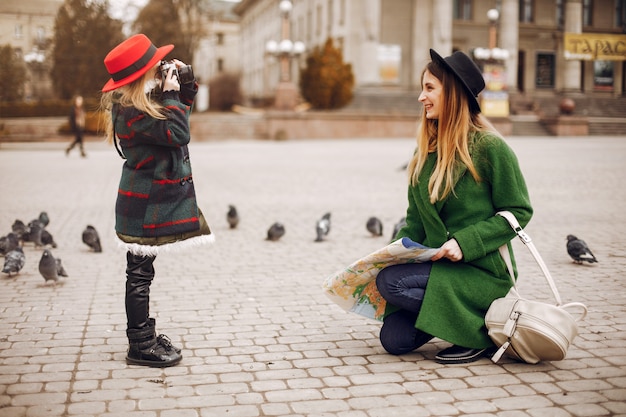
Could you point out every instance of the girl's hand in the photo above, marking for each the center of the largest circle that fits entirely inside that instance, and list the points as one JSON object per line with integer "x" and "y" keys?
{"x": 171, "y": 82}
{"x": 450, "y": 250}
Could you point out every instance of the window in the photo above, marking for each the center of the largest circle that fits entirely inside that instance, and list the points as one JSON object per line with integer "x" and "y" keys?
{"x": 560, "y": 14}
{"x": 318, "y": 23}
{"x": 220, "y": 38}
{"x": 620, "y": 15}
{"x": 603, "y": 74}
{"x": 587, "y": 13}
{"x": 342, "y": 11}
{"x": 462, "y": 9}
{"x": 41, "y": 34}
{"x": 220, "y": 65}
{"x": 17, "y": 31}
{"x": 526, "y": 11}
{"x": 544, "y": 72}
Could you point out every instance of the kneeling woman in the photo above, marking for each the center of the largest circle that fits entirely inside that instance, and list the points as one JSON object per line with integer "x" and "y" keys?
{"x": 461, "y": 174}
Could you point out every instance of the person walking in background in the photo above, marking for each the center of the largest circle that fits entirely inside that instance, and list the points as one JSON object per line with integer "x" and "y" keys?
{"x": 77, "y": 124}
{"x": 156, "y": 209}
{"x": 461, "y": 174}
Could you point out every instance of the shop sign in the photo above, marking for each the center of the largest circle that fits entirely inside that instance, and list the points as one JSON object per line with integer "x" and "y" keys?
{"x": 594, "y": 46}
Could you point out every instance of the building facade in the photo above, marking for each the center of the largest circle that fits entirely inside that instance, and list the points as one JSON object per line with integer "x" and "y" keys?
{"x": 387, "y": 41}
{"x": 28, "y": 27}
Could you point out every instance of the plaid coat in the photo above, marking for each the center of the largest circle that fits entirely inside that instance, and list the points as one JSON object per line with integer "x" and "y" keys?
{"x": 458, "y": 294}
{"x": 156, "y": 200}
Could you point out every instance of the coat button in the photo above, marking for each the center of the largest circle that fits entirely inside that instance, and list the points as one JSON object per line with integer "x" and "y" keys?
{"x": 182, "y": 181}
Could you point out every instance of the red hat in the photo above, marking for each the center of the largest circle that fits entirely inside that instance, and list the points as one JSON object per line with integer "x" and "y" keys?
{"x": 131, "y": 59}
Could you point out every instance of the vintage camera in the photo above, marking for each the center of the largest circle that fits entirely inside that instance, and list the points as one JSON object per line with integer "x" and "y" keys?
{"x": 184, "y": 74}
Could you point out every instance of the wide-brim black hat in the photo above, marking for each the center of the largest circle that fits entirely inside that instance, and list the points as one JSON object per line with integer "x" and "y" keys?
{"x": 466, "y": 71}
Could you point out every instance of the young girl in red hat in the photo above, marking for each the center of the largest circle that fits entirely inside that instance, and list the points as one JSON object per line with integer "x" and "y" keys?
{"x": 156, "y": 208}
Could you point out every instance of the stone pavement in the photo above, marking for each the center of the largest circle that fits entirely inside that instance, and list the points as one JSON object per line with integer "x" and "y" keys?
{"x": 259, "y": 337}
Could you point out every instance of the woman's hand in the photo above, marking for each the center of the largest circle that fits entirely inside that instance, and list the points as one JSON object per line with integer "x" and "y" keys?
{"x": 171, "y": 81}
{"x": 450, "y": 250}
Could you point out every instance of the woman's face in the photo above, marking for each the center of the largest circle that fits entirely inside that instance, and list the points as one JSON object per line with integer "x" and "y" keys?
{"x": 430, "y": 97}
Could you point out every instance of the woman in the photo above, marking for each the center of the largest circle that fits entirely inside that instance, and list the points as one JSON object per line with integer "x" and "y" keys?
{"x": 461, "y": 174}
{"x": 156, "y": 208}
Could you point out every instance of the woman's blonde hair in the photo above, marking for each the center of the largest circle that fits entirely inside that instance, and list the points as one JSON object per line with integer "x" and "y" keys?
{"x": 447, "y": 136}
{"x": 131, "y": 95}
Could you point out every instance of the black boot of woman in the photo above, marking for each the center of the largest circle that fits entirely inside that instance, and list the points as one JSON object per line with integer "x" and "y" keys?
{"x": 145, "y": 347}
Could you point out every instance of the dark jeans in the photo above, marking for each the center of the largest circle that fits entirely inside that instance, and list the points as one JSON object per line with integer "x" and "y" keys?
{"x": 403, "y": 286}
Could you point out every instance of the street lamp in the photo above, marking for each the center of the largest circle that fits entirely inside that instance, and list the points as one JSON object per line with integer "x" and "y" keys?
{"x": 285, "y": 50}
{"x": 493, "y": 15}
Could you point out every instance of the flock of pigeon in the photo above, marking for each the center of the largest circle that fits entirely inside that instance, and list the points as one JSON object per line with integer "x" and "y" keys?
{"x": 322, "y": 226}
{"x": 577, "y": 249}
{"x": 50, "y": 268}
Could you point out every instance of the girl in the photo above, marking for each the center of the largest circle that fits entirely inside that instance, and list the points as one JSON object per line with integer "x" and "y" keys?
{"x": 156, "y": 208}
{"x": 461, "y": 174}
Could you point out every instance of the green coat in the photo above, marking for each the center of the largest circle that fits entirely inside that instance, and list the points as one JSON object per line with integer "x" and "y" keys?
{"x": 459, "y": 293}
{"x": 156, "y": 200}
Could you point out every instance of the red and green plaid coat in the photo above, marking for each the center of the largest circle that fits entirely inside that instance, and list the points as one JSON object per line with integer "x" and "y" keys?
{"x": 156, "y": 199}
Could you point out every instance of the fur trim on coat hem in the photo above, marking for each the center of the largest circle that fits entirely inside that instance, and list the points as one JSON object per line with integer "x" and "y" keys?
{"x": 154, "y": 250}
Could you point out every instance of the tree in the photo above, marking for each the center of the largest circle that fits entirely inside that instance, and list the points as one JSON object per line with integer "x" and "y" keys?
{"x": 326, "y": 82}
{"x": 12, "y": 75}
{"x": 84, "y": 34}
{"x": 172, "y": 22}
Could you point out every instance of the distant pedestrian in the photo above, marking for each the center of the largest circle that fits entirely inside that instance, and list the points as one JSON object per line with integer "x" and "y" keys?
{"x": 156, "y": 209}
{"x": 77, "y": 124}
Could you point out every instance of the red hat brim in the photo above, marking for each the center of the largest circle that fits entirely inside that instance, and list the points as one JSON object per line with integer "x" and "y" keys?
{"x": 158, "y": 55}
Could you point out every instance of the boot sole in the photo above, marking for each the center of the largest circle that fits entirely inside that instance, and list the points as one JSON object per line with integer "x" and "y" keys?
{"x": 152, "y": 364}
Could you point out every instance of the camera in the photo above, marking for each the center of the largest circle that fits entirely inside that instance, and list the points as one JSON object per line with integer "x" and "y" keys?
{"x": 184, "y": 74}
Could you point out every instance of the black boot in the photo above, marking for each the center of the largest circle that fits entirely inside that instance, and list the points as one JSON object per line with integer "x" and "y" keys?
{"x": 163, "y": 339}
{"x": 146, "y": 350}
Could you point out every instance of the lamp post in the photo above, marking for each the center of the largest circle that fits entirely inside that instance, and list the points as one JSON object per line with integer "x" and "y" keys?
{"x": 285, "y": 50}
{"x": 495, "y": 99}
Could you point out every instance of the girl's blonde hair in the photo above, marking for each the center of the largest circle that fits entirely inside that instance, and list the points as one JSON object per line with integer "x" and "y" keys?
{"x": 131, "y": 95}
{"x": 447, "y": 136}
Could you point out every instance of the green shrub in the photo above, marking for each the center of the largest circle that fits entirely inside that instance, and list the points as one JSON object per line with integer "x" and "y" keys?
{"x": 326, "y": 82}
{"x": 224, "y": 92}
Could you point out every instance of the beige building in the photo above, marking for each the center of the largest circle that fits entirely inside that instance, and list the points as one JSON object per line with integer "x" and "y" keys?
{"x": 387, "y": 41}
{"x": 28, "y": 27}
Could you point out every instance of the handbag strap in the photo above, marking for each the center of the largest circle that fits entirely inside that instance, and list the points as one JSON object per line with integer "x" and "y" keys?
{"x": 525, "y": 238}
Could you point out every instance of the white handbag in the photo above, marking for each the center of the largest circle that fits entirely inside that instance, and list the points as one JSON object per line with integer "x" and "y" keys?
{"x": 531, "y": 331}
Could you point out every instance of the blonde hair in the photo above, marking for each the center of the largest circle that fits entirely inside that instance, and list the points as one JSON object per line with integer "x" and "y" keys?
{"x": 448, "y": 136}
{"x": 130, "y": 95}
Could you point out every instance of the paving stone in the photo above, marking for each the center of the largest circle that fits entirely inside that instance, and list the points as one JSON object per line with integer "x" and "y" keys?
{"x": 259, "y": 337}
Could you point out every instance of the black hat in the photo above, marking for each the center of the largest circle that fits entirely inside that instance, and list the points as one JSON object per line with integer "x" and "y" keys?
{"x": 466, "y": 71}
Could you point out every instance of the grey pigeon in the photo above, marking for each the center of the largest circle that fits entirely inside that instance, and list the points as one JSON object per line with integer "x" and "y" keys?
{"x": 275, "y": 232}
{"x": 20, "y": 229}
{"x": 322, "y": 227}
{"x": 14, "y": 261}
{"x": 44, "y": 219}
{"x": 91, "y": 238}
{"x": 8, "y": 243}
{"x": 374, "y": 226}
{"x": 50, "y": 268}
{"x": 36, "y": 229}
{"x": 47, "y": 239}
{"x": 232, "y": 216}
{"x": 579, "y": 251}
{"x": 397, "y": 227}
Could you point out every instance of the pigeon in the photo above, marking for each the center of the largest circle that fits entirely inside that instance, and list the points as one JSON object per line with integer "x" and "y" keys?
{"x": 275, "y": 232}
{"x": 36, "y": 229}
{"x": 20, "y": 229}
{"x": 44, "y": 219}
{"x": 8, "y": 243}
{"x": 322, "y": 227}
{"x": 14, "y": 261}
{"x": 232, "y": 216}
{"x": 47, "y": 239}
{"x": 374, "y": 226}
{"x": 579, "y": 251}
{"x": 397, "y": 227}
{"x": 91, "y": 238}
{"x": 50, "y": 268}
